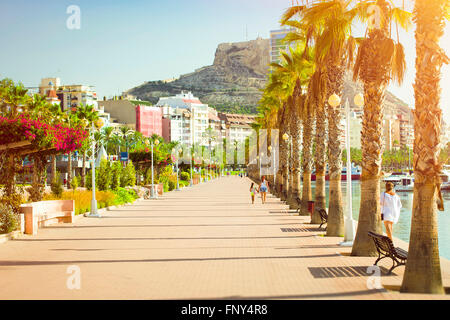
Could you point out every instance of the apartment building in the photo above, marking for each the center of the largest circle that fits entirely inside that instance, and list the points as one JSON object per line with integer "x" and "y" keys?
{"x": 196, "y": 118}
{"x": 277, "y": 46}
{"x": 237, "y": 126}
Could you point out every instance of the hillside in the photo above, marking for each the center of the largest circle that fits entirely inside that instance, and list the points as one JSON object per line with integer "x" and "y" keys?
{"x": 233, "y": 83}
{"x": 235, "y": 78}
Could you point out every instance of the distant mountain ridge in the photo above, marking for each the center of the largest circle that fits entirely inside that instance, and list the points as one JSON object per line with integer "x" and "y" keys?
{"x": 233, "y": 82}
{"x": 235, "y": 79}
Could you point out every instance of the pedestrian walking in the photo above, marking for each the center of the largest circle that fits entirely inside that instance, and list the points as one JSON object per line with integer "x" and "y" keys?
{"x": 253, "y": 192}
{"x": 390, "y": 208}
{"x": 263, "y": 189}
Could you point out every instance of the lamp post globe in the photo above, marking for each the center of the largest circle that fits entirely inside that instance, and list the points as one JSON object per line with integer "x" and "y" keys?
{"x": 334, "y": 100}
{"x": 99, "y": 123}
{"x": 285, "y": 137}
{"x": 359, "y": 100}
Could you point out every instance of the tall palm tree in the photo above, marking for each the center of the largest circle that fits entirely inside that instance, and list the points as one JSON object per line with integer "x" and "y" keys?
{"x": 126, "y": 134}
{"x": 379, "y": 60}
{"x": 298, "y": 66}
{"x": 317, "y": 97}
{"x": 72, "y": 120}
{"x": 88, "y": 115}
{"x": 108, "y": 138}
{"x": 280, "y": 87}
{"x": 328, "y": 23}
{"x": 268, "y": 118}
{"x": 423, "y": 272}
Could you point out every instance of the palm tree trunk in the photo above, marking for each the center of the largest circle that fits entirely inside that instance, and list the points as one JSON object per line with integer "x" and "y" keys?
{"x": 335, "y": 225}
{"x": 296, "y": 164}
{"x": 375, "y": 72}
{"x": 306, "y": 166}
{"x": 69, "y": 170}
{"x": 423, "y": 271}
{"x": 53, "y": 169}
{"x": 319, "y": 162}
{"x": 37, "y": 186}
{"x": 283, "y": 154}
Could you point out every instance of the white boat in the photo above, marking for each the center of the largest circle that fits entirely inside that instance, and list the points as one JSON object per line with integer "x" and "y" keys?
{"x": 445, "y": 176}
{"x": 406, "y": 184}
{"x": 395, "y": 178}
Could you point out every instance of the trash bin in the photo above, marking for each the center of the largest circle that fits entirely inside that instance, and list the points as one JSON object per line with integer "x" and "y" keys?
{"x": 311, "y": 207}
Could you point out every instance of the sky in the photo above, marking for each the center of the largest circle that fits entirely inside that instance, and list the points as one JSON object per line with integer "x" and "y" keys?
{"x": 122, "y": 44}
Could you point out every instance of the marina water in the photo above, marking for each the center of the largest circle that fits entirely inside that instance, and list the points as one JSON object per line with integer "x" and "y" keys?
{"x": 403, "y": 228}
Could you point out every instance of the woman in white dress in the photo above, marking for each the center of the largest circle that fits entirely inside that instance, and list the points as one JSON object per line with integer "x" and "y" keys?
{"x": 390, "y": 208}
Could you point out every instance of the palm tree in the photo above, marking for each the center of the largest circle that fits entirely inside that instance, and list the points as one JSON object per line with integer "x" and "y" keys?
{"x": 72, "y": 120}
{"x": 13, "y": 98}
{"x": 126, "y": 134}
{"x": 88, "y": 115}
{"x": 317, "y": 97}
{"x": 298, "y": 67}
{"x": 423, "y": 272}
{"x": 278, "y": 90}
{"x": 108, "y": 138}
{"x": 328, "y": 23}
{"x": 379, "y": 60}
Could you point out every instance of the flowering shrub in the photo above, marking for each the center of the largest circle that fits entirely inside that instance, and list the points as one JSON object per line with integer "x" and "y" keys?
{"x": 41, "y": 134}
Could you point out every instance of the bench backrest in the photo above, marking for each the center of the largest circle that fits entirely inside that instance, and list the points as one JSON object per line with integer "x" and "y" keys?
{"x": 383, "y": 243}
{"x": 50, "y": 206}
{"x": 323, "y": 214}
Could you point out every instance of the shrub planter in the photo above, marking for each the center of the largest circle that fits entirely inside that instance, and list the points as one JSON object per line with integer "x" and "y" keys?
{"x": 8, "y": 236}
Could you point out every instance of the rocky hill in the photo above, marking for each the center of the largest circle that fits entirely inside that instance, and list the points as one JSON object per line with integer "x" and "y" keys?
{"x": 235, "y": 78}
{"x": 233, "y": 83}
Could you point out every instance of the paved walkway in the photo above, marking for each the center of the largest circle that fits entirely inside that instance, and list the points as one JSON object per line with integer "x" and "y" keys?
{"x": 205, "y": 242}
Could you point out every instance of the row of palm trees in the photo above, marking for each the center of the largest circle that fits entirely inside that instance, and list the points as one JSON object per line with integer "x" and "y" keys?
{"x": 296, "y": 101}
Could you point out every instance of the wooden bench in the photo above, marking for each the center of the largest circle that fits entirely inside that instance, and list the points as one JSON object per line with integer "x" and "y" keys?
{"x": 43, "y": 213}
{"x": 323, "y": 217}
{"x": 299, "y": 204}
{"x": 386, "y": 249}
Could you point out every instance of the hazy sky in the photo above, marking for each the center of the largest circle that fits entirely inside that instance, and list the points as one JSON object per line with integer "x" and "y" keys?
{"x": 122, "y": 44}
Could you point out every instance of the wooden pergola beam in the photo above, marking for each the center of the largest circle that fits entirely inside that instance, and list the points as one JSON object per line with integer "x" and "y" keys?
{"x": 15, "y": 145}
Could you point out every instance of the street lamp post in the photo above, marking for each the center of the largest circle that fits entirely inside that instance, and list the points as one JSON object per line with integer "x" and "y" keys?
{"x": 274, "y": 168}
{"x": 153, "y": 194}
{"x": 287, "y": 140}
{"x": 260, "y": 165}
{"x": 177, "y": 153}
{"x": 94, "y": 212}
{"x": 191, "y": 182}
{"x": 334, "y": 101}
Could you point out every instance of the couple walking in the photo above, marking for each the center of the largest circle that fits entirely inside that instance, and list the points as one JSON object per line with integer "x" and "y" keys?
{"x": 263, "y": 189}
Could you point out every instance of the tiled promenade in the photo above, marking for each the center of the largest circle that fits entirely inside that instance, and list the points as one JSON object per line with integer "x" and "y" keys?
{"x": 205, "y": 242}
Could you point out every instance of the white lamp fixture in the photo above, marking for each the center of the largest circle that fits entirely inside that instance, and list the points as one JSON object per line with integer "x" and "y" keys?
{"x": 334, "y": 100}
{"x": 359, "y": 100}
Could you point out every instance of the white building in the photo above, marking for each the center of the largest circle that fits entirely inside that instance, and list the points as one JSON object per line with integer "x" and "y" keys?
{"x": 238, "y": 126}
{"x": 69, "y": 95}
{"x": 277, "y": 45}
{"x": 191, "y": 124}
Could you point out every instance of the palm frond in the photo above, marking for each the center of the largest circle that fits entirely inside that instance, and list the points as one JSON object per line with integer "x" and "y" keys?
{"x": 402, "y": 17}
{"x": 291, "y": 12}
{"x": 398, "y": 63}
